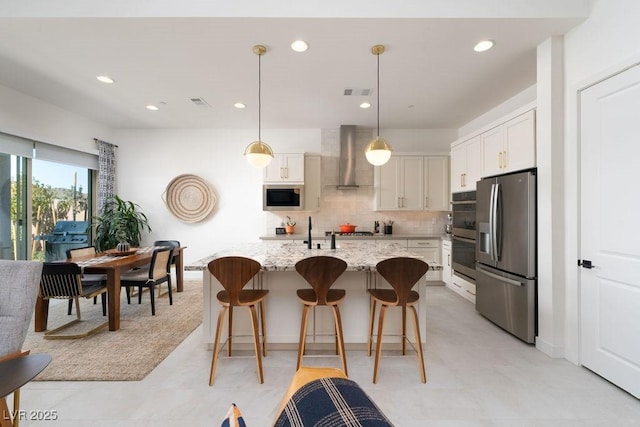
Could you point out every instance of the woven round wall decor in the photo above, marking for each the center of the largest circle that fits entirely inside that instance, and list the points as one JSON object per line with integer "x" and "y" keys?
{"x": 190, "y": 198}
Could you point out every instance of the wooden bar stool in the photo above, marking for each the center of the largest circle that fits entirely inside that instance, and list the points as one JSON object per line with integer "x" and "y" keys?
{"x": 402, "y": 273}
{"x": 234, "y": 273}
{"x": 321, "y": 272}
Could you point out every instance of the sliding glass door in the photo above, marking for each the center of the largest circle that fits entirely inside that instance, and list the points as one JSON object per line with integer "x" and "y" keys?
{"x": 14, "y": 196}
{"x": 40, "y": 184}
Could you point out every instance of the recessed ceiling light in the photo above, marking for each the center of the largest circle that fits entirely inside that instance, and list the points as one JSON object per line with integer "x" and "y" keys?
{"x": 299, "y": 46}
{"x": 365, "y": 105}
{"x": 483, "y": 45}
{"x": 152, "y": 107}
{"x": 240, "y": 105}
{"x": 105, "y": 79}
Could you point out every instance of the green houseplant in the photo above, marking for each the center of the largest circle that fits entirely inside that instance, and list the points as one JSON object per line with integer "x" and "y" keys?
{"x": 121, "y": 221}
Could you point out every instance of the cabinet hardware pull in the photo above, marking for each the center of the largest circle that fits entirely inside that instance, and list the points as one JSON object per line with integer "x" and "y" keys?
{"x": 448, "y": 260}
{"x": 426, "y": 202}
{"x": 500, "y": 160}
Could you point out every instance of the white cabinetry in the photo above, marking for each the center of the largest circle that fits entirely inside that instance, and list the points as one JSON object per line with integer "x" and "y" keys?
{"x": 312, "y": 182}
{"x": 285, "y": 168}
{"x": 447, "y": 271}
{"x": 429, "y": 250}
{"x": 413, "y": 183}
{"x": 399, "y": 184}
{"x": 463, "y": 287}
{"x": 436, "y": 183}
{"x": 510, "y": 146}
{"x": 466, "y": 165}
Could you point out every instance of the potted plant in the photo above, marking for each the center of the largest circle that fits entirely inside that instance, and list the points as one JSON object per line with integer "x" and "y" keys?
{"x": 121, "y": 222}
{"x": 290, "y": 225}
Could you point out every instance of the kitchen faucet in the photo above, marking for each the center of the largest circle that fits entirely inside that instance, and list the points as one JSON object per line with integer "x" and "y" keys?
{"x": 309, "y": 239}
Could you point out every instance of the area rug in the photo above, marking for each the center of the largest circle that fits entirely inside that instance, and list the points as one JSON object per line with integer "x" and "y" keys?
{"x": 128, "y": 354}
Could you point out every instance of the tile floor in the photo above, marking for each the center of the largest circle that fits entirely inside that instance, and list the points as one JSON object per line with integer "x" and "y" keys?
{"x": 477, "y": 375}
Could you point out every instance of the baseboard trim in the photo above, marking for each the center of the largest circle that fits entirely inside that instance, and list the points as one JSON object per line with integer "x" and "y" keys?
{"x": 553, "y": 351}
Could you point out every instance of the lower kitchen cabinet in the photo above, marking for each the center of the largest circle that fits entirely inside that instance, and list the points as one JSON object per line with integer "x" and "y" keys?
{"x": 429, "y": 249}
{"x": 447, "y": 271}
{"x": 463, "y": 287}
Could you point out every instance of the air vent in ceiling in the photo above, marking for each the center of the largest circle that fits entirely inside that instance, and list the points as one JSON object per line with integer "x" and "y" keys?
{"x": 352, "y": 91}
{"x": 200, "y": 102}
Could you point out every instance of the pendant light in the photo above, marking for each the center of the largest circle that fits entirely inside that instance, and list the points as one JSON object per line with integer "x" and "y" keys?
{"x": 258, "y": 153}
{"x": 378, "y": 151}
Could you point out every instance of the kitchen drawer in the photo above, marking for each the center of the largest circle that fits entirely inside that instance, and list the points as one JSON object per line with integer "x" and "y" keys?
{"x": 463, "y": 287}
{"x": 424, "y": 243}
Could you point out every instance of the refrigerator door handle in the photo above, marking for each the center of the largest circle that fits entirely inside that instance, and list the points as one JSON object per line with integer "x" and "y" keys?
{"x": 492, "y": 222}
{"x": 497, "y": 225}
{"x": 498, "y": 277}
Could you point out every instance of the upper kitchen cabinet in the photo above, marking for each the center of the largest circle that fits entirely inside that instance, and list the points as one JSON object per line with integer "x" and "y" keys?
{"x": 510, "y": 146}
{"x": 436, "y": 183}
{"x": 312, "y": 182}
{"x": 399, "y": 184}
{"x": 466, "y": 165}
{"x": 287, "y": 167}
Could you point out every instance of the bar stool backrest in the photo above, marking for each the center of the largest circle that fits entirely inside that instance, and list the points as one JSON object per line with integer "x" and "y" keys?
{"x": 233, "y": 273}
{"x": 402, "y": 273}
{"x": 321, "y": 272}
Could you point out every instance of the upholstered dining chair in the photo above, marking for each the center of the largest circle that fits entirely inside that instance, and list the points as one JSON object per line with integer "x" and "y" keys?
{"x": 157, "y": 272}
{"x": 19, "y": 281}
{"x": 63, "y": 280}
{"x": 173, "y": 244}
{"x": 402, "y": 273}
{"x": 88, "y": 279}
{"x": 234, "y": 273}
{"x": 321, "y": 272}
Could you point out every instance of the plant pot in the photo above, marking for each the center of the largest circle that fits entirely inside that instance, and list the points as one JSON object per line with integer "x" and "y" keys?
{"x": 290, "y": 229}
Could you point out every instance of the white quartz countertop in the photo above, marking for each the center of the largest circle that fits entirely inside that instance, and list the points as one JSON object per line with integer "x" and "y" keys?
{"x": 359, "y": 255}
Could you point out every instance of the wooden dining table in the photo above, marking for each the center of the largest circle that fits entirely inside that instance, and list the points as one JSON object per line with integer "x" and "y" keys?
{"x": 112, "y": 266}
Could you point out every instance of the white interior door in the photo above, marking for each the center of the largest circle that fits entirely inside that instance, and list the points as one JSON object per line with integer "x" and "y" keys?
{"x": 610, "y": 229}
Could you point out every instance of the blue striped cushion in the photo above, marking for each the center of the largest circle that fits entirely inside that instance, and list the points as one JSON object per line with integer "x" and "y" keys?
{"x": 331, "y": 402}
{"x": 233, "y": 418}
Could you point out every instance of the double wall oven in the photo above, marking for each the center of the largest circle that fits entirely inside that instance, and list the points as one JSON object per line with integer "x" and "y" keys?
{"x": 463, "y": 248}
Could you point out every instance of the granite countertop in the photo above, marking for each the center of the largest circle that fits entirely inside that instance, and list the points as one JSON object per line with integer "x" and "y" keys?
{"x": 380, "y": 236}
{"x": 359, "y": 256}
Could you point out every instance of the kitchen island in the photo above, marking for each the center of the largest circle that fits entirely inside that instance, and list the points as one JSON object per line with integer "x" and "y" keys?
{"x": 284, "y": 311}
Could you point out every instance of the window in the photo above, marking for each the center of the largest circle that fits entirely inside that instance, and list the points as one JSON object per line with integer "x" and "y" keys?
{"x": 45, "y": 183}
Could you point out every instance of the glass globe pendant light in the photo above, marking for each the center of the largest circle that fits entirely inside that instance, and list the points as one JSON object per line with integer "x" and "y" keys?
{"x": 258, "y": 153}
{"x": 378, "y": 151}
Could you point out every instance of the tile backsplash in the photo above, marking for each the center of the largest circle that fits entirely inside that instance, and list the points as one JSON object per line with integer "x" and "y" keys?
{"x": 354, "y": 206}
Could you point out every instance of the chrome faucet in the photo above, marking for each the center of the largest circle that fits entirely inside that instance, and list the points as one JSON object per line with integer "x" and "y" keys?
{"x": 309, "y": 237}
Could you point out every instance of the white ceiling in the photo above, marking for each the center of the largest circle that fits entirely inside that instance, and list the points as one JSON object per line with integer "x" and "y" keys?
{"x": 430, "y": 78}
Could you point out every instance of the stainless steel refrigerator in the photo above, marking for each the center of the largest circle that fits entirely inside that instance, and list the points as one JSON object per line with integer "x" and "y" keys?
{"x": 506, "y": 262}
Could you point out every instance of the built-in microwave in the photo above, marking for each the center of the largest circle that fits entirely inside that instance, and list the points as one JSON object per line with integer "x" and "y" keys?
{"x": 282, "y": 197}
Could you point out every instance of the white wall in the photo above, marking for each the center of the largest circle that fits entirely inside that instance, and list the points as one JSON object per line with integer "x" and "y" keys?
{"x": 31, "y": 118}
{"x": 147, "y": 160}
{"x": 607, "y": 42}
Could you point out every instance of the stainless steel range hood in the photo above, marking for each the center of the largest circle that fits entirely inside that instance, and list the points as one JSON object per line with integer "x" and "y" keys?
{"x": 347, "y": 161}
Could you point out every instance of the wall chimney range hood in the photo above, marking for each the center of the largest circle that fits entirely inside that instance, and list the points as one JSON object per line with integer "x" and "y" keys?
{"x": 347, "y": 160}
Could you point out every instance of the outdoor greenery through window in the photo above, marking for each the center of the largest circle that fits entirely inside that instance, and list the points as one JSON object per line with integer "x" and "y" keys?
{"x": 59, "y": 192}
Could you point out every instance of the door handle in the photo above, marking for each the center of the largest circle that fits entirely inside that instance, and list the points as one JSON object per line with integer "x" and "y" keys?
{"x": 585, "y": 263}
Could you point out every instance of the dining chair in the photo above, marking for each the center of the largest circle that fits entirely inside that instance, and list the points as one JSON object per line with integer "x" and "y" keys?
{"x": 19, "y": 281}
{"x": 157, "y": 272}
{"x": 88, "y": 279}
{"x": 173, "y": 244}
{"x": 321, "y": 272}
{"x": 402, "y": 273}
{"x": 234, "y": 273}
{"x": 63, "y": 280}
